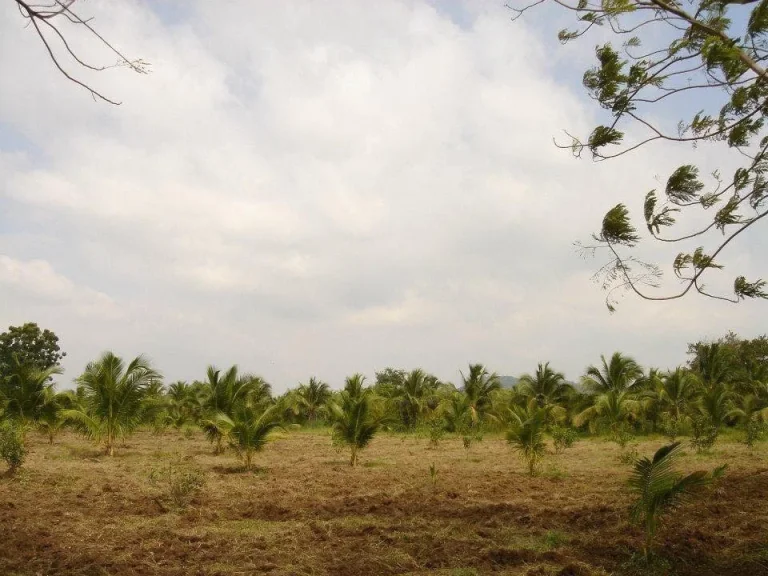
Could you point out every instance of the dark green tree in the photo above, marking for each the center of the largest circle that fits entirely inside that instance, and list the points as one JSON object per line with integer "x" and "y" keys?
{"x": 704, "y": 60}
{"x": 31, "y": 346}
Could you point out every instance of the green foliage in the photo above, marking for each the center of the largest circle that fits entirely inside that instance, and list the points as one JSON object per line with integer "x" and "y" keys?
{"x": 546, "y": 386}
{"x": 526, "y": 435}
{"x": 478, "y": 386}
{"x": 355, "y": 422}
{"x": 12, "y": 449}
{"x": 113, "y": 395}
{"x": 659, "y": 489}
{"x": 249, "y": 428}
{"x": 562, "y": 437}
{"x": 178, "y": 483}
{"x": 704, "y": 434}
{"x": 703, "y": 61}
{"x": 436, "y": 432}
{"x": 31, "y": 346}
{"x": 24, "y": 389}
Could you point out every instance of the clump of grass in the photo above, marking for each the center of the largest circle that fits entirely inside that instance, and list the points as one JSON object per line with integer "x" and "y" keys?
{"x": 554, "y": 539}
{"x": 178, "y": 483}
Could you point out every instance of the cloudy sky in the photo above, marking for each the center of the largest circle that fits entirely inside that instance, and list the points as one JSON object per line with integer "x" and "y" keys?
{"x": 322, "y": 188}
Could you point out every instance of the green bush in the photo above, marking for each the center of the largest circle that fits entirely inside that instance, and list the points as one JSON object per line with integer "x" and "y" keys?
{"x": 563, "y": 438}
{"x": 704, "y": 434}
{"x": 12, "y": 448}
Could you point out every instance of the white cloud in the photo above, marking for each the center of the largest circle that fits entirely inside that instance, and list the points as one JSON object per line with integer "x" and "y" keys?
{"x": 320, "y": 188}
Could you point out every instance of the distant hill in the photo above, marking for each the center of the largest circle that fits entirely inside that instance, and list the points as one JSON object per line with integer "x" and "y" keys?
{"x": 508, "y": 381}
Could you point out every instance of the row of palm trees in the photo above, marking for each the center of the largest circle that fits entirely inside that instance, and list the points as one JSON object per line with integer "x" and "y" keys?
{"x": 616, "y": 397}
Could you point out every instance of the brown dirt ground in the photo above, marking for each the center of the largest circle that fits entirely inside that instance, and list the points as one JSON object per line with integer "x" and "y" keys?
{"x": 305, "y": 511}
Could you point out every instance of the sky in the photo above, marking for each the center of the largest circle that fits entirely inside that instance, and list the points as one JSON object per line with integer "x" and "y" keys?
{"x": 321, "y": 188}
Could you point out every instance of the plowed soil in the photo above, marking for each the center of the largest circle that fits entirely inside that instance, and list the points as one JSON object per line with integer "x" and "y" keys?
{"x": 73, "y": 511}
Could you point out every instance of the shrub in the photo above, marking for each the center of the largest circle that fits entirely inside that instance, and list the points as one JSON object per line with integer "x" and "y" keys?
{"x": 704, "y": 434}
{"x": 178, "y": 483}
{"x": 563, "y": 438}
{"x": 621, "y": 436}
{"x": 436, "y": 432}
{"x": 754, "y": 430}
{"x": 12, "y": 448}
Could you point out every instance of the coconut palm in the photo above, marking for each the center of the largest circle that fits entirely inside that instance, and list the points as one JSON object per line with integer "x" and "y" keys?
{"x": 546, "y": 386}
{"x": 353, "y": 385}
{"x": 413, "y": 396}
{"x": 659, "y": 489}
{"x": 712, "y": 365}
{"x": 752, "y": 414}
{"x": 714, "y": 405}
{"x": 478, "y": 385}
{"x": 311, "y": 398}
{"x": 526, "y": 433}
{"x": 457, "y": 413}
{"x": 112, "y": 398}
{"x": 23, "y": 390}
{"x": 614, "y": 411}
{"x": 249, "y": 428}
{"x": 354, "y": 421}
{"x": 619, "y": 374}
{"x": 676, "y": 392}
{"x": 50, "y": 419}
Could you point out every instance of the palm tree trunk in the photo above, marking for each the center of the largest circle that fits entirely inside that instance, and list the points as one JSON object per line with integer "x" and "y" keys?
{"x": 353, "y": 459}
{"x": 50, "y": 437}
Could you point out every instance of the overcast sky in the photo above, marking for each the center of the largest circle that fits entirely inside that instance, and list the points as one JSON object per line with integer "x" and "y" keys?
{"x": 320, "y": 188}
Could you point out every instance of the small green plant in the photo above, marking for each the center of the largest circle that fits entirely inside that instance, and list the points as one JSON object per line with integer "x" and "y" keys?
{"x": 433, "y": 475}
{"x": 704, "y": 434}
{"x": 554, "y": 539}
{"x": 526, "y": 436}
{"x": 12, "y": 448}
{"x": 178, "y": 483}
{"x": 436, "y": 432}
{"x": 621, "y": 436}
{"x": 628, "y": 455}
{"x": 563, "y": 438}
{"x": 671, "y": 427}
{"x": 659, "y": 489}
{"x": 754, "y": 430}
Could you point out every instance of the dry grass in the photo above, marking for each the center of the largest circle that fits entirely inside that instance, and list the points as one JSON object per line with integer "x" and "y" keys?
{"x": 305, "y": 511}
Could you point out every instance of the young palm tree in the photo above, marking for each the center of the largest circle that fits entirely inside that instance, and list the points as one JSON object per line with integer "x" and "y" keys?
{"x": 412, "y": 396}
{"x": 249, "y": 428}
{"x": 223, "y": 392}
{"x": 354, "y": 422}
{"x": 659, "y": 489}
{"x": 752, "y": 414}
{"x": 527, "y": 433}
{"x": 23, "y": 390}
{"x": 50, "y": 418}
{"x": 715, "y": 405}
{"x": 546, "y": 386}
{"x": 113, "y": 395}
{"x": 457, "y": 414}
{"x": 312, "y": 398}
{"x": 618, "y": 375}
{"x": 478, "y": 385}
{"x": 677, "y": 392}
{"x": 353, "y": 385}
{"x": 712, "y": 365}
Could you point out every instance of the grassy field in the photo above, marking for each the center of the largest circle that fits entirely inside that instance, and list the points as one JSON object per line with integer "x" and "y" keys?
{"x": 305, "y": 511}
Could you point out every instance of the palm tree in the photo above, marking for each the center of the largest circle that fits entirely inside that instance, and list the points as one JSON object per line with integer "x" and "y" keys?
{"x": 714, "y": 406}
{"x": 113, "y": 395}
{"x": 353, "y": 385}
{"x": 412, "y": 396}
{"x": 223, "y": 392}
{"x": 354, "y": 422}
{"x": 712, "y": 365}
{"x": 479, "y": 385}
{"x": 50, "y": 418}
{"x": 24, "y": 388}
{"x": 249, "y": 428}
{"x": 618, "y": 374}
{"x": 659, "y": 489}
{"x": 546, "y": 386}
{"x": 614, "y": 410}
{"x": 676, "y": 392}
{"x": 752, "y": 414}
{"x": 312, "y": 398}
{"x": 527, "y": 433}
{"x": 457, "y": 414}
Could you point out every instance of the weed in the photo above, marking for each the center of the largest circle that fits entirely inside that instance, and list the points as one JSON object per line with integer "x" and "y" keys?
{"x": 178, "y": 483}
